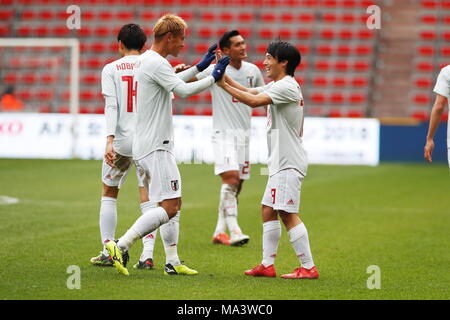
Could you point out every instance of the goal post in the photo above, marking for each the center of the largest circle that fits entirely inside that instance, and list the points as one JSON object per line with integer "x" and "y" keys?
{"x": 74, "y": 46}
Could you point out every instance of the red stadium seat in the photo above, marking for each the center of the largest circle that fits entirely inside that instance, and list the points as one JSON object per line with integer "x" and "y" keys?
{"x": 420, "y": 115}
{"x": 361, "y": 66}
{"x": 327, "y": 34}
{"x": 429, "y": 4}
{"x": 322, "y": 65}
{"x": 102, "y": 31}
{"x": 98, "y": 47}
{"x": 64, "y": 110}
{"x": 261, "y": 48}
{"x": 423, "y": 83}
{"x": 105, "y": 15}
{"x": 85, "y": 31}
{"x": 205, "y": 32}
{"x": 422, "y": 99}
{"x": 306, "y": 18}
{"x": 99, "y": 110}
{"x": 190, "y": 111}
{"x": 365, "y": 34}
{"x": 42, "y": 31}
{"x": 201, "y": 48}
{"x": 245, "y": 17}
{"x": 44, "y": 109}
{"x": 343, "y": 50}
{"x": 287, "y": 17}
{"x": 341, "y": 66}
{"x": 90, "y": 79}
{"x": 268, "y": 17}
{"x": 429, "y": 19}
{"x": 48, "y": 78}
{"x": 10, "y": 78}
{"x": 206, "y": 111}
{"x": 24, "y": 94}
{"x": 317, "y": 98}
{"x": 23, "y": 31}
{"x": 5, "y": 30}
{"x": 29, "y": 14}
{"x": 207, "y": 17}
{"x": 339, "y": 82}
{"x": 147, "y": 15}
{"x": 303, "y": 48}
{"x": 424, "y": 66}
{"x": 304, "y": 34}
{"x": 60, "y": 31}
{"x": 87, "y": 15}
{"x": 46, "y": 15}
{"x": 6, "y": 14}
{"x": 349, "y": 18}
{"x": 357, "y": 98}
{"x": 44, "y": 94}
{"x": 445, "y": 51}
{"x": 428, "y": 35}
{"x": 125, "y": 15}
{"x": 87, "y": 95}
{"x": 186, "y": 15}
{"x": 320, "y": 82}
{"x": 285, "y": 34}
{"x": 355, "y": 114}
{"x": 337, "y": 98}
{"x": 324, "y": 50}
{"x": 363, "y": 50}
{"x": 266, "y": 34}
{"x": 360, "y": 82}
{"x": 346, "y": 34}
{"x": 335, "y": 113}
{"x": 329, "y": 17}
{"x": 29, "y": 78}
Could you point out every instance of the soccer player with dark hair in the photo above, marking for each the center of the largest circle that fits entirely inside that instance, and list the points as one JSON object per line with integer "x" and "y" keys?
{"x": 155, "y": 83}
{"x": 231, "y": 136}
{"x": 442, "y": 90}
{"x": 287, "y": 158}
{"x": 118, "y": 92}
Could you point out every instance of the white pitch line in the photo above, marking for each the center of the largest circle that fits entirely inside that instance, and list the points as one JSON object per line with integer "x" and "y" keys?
{"x": 5, "y": 200}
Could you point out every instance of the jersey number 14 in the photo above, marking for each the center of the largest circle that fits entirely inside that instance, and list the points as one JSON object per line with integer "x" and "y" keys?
{"x": 131, "y": 92}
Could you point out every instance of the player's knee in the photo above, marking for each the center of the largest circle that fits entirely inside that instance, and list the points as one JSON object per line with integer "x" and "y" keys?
{"x": 109, "y": 191}
{"x": 171, "y": 207}
{"x": 231, "y": 177}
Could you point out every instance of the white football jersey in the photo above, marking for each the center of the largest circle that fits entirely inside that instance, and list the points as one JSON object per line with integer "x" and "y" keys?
{"x": 442, "y": 87}
{"x": 117, "y": 82}
{"x": 229, "y": 113}
{"x": 155, "y": 82}
{"x": 285, "y": 126}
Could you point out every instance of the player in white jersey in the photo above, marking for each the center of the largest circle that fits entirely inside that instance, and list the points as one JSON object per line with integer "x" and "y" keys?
{"x": 442, "y": 90}
{"x": 118, "y": 92}
{"x": 287, "y": 158}
{"x": 231, "y": 137}
{"x": 153, "y": 140}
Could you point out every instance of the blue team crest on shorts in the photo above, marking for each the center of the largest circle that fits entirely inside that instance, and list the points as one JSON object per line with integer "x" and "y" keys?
{"x": 174, "y": 184}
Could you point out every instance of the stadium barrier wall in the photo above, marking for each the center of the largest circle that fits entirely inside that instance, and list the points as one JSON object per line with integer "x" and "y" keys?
{"x": 327, "y": 140}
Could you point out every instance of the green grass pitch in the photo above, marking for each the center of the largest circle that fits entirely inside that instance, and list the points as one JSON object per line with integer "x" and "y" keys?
{"x": 395, "y": 216}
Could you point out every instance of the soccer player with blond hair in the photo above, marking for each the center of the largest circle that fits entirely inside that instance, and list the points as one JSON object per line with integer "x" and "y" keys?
{"x": 153, "y": 143}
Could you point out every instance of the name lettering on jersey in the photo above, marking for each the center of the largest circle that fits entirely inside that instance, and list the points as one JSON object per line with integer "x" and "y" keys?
{"x": 125, "y": 66}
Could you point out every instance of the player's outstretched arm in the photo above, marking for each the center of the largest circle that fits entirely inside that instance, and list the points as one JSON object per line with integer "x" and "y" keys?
{"x": 435, "y": 119}
{"x": 250, "y": 99}
{"x": 237, "y": 85}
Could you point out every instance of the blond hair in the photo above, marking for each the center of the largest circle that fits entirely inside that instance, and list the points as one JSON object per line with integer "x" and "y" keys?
{"x": 169, "y": 23}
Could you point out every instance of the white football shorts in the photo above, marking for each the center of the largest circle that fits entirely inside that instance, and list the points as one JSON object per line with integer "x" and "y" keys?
{"x": 161, "y": 176}
{"x": 116, "y": 176}
{"x": 231, "y": 153}
{"x": 283, "y": 191}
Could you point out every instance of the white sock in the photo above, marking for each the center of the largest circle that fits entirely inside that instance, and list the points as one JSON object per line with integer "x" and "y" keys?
{"x": 108, "y": 220}
{"x": 148, "y": 242}
{"x": 169, "y": 235}
{"x": 271, "y": 238}
{"x": 228, "y": 202}
{"x": 298, "y": 236}
{"x": 221, "y": 223}
{"x": 148, "y": 222}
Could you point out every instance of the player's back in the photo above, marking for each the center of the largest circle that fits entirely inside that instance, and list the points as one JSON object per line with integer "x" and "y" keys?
{"x": 117, "y": 82}
{"x": 154, "y": 127}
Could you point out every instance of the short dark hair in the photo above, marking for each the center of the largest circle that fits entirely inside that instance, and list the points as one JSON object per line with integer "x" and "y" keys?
{"x": 225, "y": 41}
{"x": 282, "y": 50}
{"x": 132, "y": 36}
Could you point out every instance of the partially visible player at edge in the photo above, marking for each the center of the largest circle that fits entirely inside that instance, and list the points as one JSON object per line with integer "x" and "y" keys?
{"x": 442, "y": 90}
{"x": 154, "y": 138}
{"x": 118, "y": 94}
{"x": 231, "y": 136}
{"x": 287, "y": 158}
